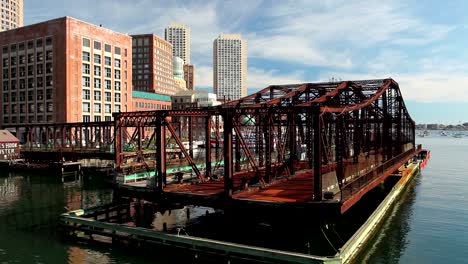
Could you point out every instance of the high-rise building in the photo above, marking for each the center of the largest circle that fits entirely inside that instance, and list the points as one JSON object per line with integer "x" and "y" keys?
{"x": 230, "y": 66}
{"x": 12, "y": 14}
{"x": 179, "y": 36}
{"x": 64, "y": 70}
{"x": 152, "y": 65}
{"x": 189, "y": 76}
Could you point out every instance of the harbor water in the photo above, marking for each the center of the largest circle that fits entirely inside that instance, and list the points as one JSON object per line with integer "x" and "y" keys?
{"x": 428, "y": 226}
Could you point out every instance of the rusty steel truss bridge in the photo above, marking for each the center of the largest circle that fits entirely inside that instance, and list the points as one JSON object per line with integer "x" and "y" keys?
{"x": 304, "y": 144}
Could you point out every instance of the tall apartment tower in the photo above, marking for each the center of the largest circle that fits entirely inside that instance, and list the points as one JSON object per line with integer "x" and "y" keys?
{"x": 152, "y": 65}
{"x": 179, "y": 36}
{"x": 12, "y": 14}
{"x": 230, "y": 66}
{"x": 64, "y": 70}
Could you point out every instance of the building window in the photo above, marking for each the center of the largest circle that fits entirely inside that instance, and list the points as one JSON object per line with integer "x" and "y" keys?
{"x": 48, "y": 41}
{"x": 117, "y": 63}
{"x": 40, "y": 108}
{"x": 117, "y": 98}
{"x": 108, "y": 96}
{"x": 117, "y": 108}
{"x": 97, "y": 45}
{"x": 86, "y": 107}
{"x": 108, "y": 72}
{"x": 97, "y": 119}
{"x": 117, "y": 51}
{"x": 97, "y": 70}
{"x": 117, "y": 74}
{"x": 49, "y": 94}
{"x": 97, "y": 95}
{"x": 108, "y": 118}
{"x": 107, "y": 48}
{"x": 86, "y": 56}
{"x": 107, "y": 61}
{"x": 107, "y": 108}
{"x": 107, "y": 84}
{"x": 86, "y": 43}
{"x": 97, "y": 108}
{"x": 86, "y": 95}
{"x": 49, "y": 54}
{"x": 117, "y": 86}
{"x": 85, "y": 81}
{"x": 86, "y": 118}
{"x": 85, "y": 68}
{"x": 97, "y": 83}
{"x": 97, "y": 58}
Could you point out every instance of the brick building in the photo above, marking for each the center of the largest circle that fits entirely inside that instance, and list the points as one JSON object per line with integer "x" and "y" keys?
{"x": 152, "y": 65}
{"x": 189, "y": 76}
{"x": 64, "y": 70}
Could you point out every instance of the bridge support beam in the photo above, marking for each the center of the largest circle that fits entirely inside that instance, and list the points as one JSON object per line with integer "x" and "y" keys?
{"x": 317, "y": 155}
{"x": 227, "y": 149}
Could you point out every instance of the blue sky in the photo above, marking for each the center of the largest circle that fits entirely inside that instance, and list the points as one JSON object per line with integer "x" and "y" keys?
{"x": 422, "y": 45}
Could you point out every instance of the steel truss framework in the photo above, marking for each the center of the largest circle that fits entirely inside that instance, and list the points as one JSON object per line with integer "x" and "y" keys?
{"x": 352, "y": 127}
{"x": 70, "y": 140}
{"x": 348, "y": 130}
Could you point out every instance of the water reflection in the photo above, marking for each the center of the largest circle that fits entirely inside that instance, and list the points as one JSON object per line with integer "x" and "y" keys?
{"x": 391, "y": 242}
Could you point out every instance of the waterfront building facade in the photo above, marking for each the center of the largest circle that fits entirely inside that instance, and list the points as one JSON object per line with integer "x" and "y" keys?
{"x": 189, "y": 76}
{"x": 11, "y": 14}
{"x": 179, "y": 36}
{"x": 64, "y": 70}
{"x": 144, "y": 101}
{"x": 152, "y": 65}
{"x": 230, "y": 67}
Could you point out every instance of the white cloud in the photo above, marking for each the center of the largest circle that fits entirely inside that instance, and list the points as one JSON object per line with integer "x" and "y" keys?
{"x": 336, "y": 37}
{"x": 422, "y": 87}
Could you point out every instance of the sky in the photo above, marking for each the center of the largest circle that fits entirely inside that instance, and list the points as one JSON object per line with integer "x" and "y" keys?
{"x": 420, "y": 44}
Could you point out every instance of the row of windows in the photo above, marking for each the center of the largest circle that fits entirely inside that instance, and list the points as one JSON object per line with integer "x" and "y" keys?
{"x": 151, "y": 106}
{"x": 30, "y": 83}
{"x": 97, "y": 45}
{"x": 29, "y": 58}
{"x": 87, "y": 118}
{"x": 86, "y": 69}
{"x": 97, "y": 96}
{"x": 97, "y": 59}
{"x": 30, "y": 108}
{"x": 29, "y": 44}
{"x": 97, "y": 83}
{"x": 21, "y": 96}
{"x": 31, "y": 119}
{"x": 97, "y": 108}
{"x": 22, "y": 71}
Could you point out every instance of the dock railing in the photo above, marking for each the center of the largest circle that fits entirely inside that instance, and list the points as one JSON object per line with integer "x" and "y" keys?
{"x": 357, "y": 184}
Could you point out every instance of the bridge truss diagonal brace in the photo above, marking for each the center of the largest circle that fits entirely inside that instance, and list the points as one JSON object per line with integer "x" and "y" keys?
{"x": 184, "y": 150}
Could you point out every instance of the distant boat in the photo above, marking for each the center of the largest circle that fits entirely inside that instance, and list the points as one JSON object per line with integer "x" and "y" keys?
{"x": 424, "y": 133}
{"x": 443, "y": 133}
{"x": 458, "y": 135}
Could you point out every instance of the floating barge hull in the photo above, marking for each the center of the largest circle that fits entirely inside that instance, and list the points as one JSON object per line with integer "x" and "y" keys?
{"x": 97, "y": 225}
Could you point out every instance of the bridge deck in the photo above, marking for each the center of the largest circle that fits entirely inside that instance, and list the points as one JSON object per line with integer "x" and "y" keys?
{"x": 299, "y": 188}
{"x": 296, "y": 190}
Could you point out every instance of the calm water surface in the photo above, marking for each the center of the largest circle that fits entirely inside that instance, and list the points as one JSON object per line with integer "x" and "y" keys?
{"x": 431, "y": 223}
{"x": 429, "y": 226}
